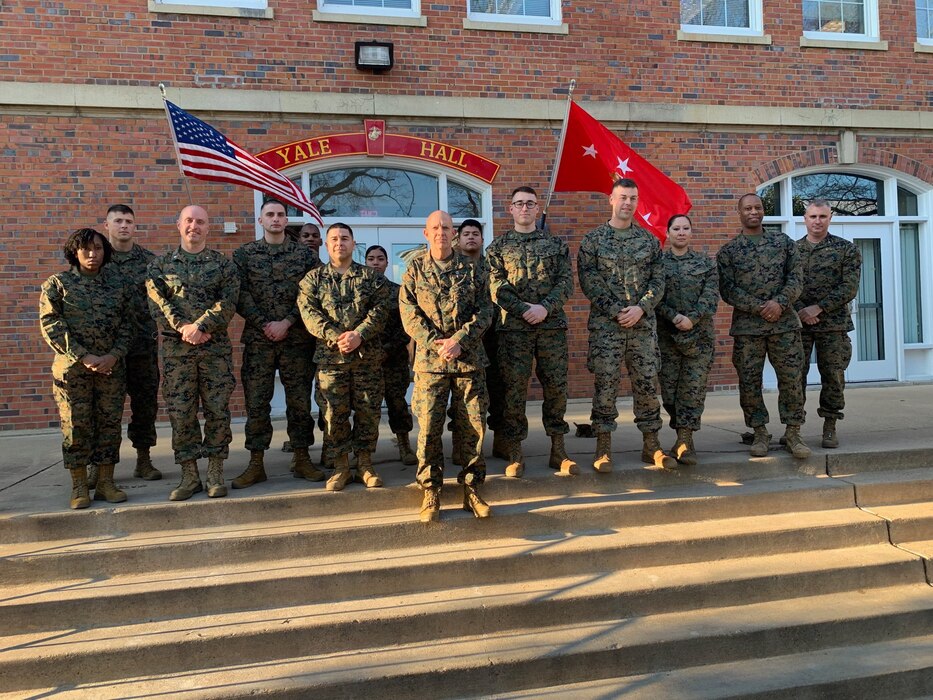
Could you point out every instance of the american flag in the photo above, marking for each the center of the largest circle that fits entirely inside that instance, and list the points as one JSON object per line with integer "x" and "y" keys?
{"x": 206, "y": 154}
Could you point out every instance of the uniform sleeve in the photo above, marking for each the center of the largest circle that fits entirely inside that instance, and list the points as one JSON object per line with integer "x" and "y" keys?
{"x": 846, "y": 290}
{"x": 246, "y": 305}
{"x": 563, "y": 285}
{"x": 501, "y": 290}
{"x": 129, "y": 325}
{"x": 594, "y": 285}
{"x": 52, "y": 322}
{"x": 160, "y": 295}
{"x": 312, "y": 313}
{"x": 374, "y": 322}
{"x": 656, "y": 282}
{"x": 471, "y": 334}
{"x": 414, "y": 320}
{"x": 664, "y": 308}
{"x": 220, "y": 313}
{"x": 793, "y": 275}
{"x": 311, "y": 261}
{"x": 731, "y": 293}
{"x": 709, "y": 296}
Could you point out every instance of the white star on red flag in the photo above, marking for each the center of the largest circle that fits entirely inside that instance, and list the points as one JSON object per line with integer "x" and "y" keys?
{"x": 589, "y": 151}
{"x": 623, "y": 167}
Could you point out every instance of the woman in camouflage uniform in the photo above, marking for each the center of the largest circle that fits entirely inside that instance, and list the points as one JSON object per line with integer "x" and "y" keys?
{"x": 685, "y": 333}
{"x": 86, "y": 317}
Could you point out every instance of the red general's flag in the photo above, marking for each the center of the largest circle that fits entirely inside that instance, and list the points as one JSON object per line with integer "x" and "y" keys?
{"x": 593, "y": 158}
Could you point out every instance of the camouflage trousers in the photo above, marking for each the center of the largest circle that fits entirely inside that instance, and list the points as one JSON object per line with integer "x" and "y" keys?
{"x": 197, "y": 379}
{"x": 142, "y": 385}
{"x": 546, "y": 349}
{"x": 91, "y": 410}
{"x": 356, "y": 387}
{"x": 785, "y": 352}
{"x": 608, "y": 350}
{"x": 683, "y": 380}
{"x": 494, "y": 387}
{"x": 397, "y": 376}
{"x": 833, "y": 354}
{"x": 293, "y": 361}
{"x": 467, "y": 394}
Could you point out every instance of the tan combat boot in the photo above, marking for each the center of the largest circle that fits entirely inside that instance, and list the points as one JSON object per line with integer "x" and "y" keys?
{"x": 684, "y": 451}
{"x": 651, "y": 452}
{"x": 144, "y": 468}
{"x": 106, "y": 490}
{"x": 92, "y": 475}
{"x": 190, "y": 482}
{"x": 79, "y": 489}
{"x": 761, "y": 442}
{"x": 215, "y": 478}
{"x": 516, "y": 461}
{"x": 559, "y": 459}
{"x": 794, "y": 444}
{"x": 830, "y": 438}
{"x": 500, "y": 446}
{"x": 474, "y": 503}
{"x": 341, "y": 476}
{"x": 405, "y": 452}
{"x": 456, "y": 452}
{"x": 602, "y": 459}
{"x": 431, "y": 505}
{"x": 365, "y": 474}
{"x": 255, "y": 472}
{"x": 303, "y": 467}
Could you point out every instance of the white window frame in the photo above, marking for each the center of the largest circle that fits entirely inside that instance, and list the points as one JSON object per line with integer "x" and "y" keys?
{"x": 553, "y": 20}
{"x": 325, "y": 8}
{"x": 871, "y": 33}
{"x": 232, "y": 8}
{"x": 923, "y": 41}
{"x": 755, "y": 24}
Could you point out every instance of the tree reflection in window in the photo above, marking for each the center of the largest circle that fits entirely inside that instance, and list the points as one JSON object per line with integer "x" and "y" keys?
{"x": 848, "y": 195}
{"x": 374, "y": 192}
{"x": 462, "y": 202}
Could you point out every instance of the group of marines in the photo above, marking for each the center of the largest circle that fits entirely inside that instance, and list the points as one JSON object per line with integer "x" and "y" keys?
{"x": 477, "y": 326}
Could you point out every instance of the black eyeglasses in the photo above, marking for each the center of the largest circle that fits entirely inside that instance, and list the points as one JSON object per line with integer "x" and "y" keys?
{"x": 524, "y": 205}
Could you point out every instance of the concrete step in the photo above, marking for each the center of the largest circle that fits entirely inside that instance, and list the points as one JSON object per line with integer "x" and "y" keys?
{"x": 900, "y": 668}
{"x": 223, "y": 544}
{"x": 908, "y": 522}
{"x": 129, "y": 595}
{"x": 892, "y": 487}
{"x": 492, "y": 659}
{"x": 891, "y": 460}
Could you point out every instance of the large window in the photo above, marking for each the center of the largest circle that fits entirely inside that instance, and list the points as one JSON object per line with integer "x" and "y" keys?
{"x": 259, "y": 6}
{"x": 521, "y": 11}
{"x": 372, "y": 8}
{"x": 848, "y": 195}
{"x": 925, "y": 21}
{"x": 721, "y": 16}
{"x": 841, "y": 19}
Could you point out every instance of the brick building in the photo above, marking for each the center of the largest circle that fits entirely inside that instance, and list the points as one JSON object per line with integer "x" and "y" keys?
{"x": 796, "y": 99}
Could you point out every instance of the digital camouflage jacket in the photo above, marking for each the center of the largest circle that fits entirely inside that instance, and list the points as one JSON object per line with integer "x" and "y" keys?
{"x": 831, "y": 272}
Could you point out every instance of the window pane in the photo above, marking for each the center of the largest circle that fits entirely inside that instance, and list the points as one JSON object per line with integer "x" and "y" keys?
{"x": 381, "y": 4}
{"x": 515, "y": 8}
{"x": 910, "y": 283}
{"x": 848, "y": 195}
{"x": 771, "y": 198}
{"x": 869, "y": 314}
{"x": 715, "y": 13}
{"x": 375, "y": 192}
{"x": 906, "y": 202}
{"x": 811, "y": 16}
{"x": 837, "y": 16}
{"x": 462, "y": 202}
{"x": 925, "y": 19}
{"x": 853, "y": 18}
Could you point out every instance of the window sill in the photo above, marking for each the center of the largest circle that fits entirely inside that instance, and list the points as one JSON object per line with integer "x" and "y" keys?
{"x": 382, "y": 20}
{"x": 870, "y": 45}
{"x": 923, "y": 48}
{"x": 764, "y": 39}
{"x": 516, "y": 27}
{"x": 212, "y": 10}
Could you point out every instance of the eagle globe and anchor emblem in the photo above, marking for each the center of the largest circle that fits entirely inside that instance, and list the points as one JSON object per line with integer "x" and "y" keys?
{"x": 374, "y": 133}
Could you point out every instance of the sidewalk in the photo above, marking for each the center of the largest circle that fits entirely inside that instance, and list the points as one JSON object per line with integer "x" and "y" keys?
{"x": 878, "y": 417}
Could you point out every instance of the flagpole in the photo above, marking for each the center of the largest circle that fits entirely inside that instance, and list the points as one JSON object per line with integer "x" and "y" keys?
{"x": 560, "y": 148}
{"x": 184, "y": 177}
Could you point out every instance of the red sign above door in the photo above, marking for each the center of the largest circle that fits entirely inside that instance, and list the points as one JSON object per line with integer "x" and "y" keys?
{"x": 375, "y": 143}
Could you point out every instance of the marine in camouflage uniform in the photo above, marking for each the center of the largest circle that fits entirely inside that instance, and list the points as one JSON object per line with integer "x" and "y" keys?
{"x": 530, "y": 279}
{"x": 691, "y": 292}
{"x": 193, "y": 293}
{"x": 759, "y": 275}
{"x": 274, "y": 338}
{"x": 343, "y": 302}
{"x": 142, "y": 361}
{"x": 831, "y": 269}
{"x": 620, "y": 271}
{"x": 396, "y": 372}
{"x": 445, "y": 308}
{"x": 87, "y": 317}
